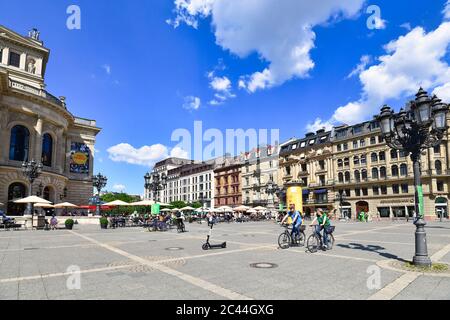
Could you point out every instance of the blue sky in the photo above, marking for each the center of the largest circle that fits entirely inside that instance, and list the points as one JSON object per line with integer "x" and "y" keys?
{"x": 138, "y": 75}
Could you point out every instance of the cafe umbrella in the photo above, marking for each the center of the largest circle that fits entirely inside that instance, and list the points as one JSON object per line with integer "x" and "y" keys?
{"x": 33, "y": 200}
{"x": 65, "y": 205}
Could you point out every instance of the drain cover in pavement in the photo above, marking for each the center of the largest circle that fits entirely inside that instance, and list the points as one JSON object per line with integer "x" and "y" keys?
{"x": 263, "y": 265}
{"x": 174, "y": 249}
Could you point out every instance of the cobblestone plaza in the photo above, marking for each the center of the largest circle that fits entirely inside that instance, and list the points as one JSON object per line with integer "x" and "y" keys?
{"x": 134, "y": 264}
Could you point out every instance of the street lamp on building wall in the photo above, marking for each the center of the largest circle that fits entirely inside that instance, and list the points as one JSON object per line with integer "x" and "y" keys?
{"x": 31, "y": 170}
{"x": 99, "y": 182}
{"x": 420, "y": 126}
{"x": 155, "y": 183}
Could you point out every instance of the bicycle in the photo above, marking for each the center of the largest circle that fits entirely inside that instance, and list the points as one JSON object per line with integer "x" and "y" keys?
{"x": 181, "y": 226}
{"x": 314, "y": 241}
{"x": 285, "y": 240}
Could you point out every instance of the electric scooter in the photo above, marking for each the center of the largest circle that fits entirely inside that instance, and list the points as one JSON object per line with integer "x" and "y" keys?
{"x": 207, "y": 245}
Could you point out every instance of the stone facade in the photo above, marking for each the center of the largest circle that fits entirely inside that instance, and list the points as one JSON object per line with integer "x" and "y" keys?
{"x": 355, "y": 162}
{"x": 25, "y": 104}
{"x": 228, "y": 182}
{"x": 259, "y": 167}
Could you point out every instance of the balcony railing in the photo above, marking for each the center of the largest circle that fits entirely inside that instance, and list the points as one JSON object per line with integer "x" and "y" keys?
{"x": 38, "y": 92}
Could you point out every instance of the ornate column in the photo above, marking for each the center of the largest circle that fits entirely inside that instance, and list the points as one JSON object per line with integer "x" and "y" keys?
{"x": 60, "y": 150}
{"x": 23, "y": 61}
{"x": 37, "y": 155}
{"x": 4, "y": 137}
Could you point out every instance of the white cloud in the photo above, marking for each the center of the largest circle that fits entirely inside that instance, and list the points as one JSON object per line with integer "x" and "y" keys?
{"x": 446, "y": 11}
{"x": 318, "y": 125}
{"x": 280, "y": 32}
{"x": 406, "y": 26}
{"x": 222, "y": 86}
{"x": 107, "y": 68}
{"x": 365, "y": 60}
{"x": 443, "y": 92}
{"x": 380, "y": 23}
{"x": 177, "y": 152}
{"x": 145, "y": 156}
{"x": 192, "y": 103}
{"x": 411, "y": 61}
{"x": 119, "y": 187}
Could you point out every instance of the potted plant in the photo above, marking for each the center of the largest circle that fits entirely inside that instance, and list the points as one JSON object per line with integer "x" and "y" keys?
{"x": 69, "y": 224}
{"x": 104, "y": 223}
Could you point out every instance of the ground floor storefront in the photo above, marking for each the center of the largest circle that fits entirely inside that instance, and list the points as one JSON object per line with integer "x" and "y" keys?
{"x": 394, "y": 208}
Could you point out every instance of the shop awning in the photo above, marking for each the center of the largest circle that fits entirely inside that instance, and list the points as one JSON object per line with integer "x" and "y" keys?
{"x": 305, "y": 192}
{"x": 320, "y": 191}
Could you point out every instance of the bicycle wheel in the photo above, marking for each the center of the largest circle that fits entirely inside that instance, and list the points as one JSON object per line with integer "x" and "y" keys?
{"x": 313, "y": 243}
{"x": 330, "y": 243}
{"x": 284, "y": 240}
{"x": 301, "y": 238}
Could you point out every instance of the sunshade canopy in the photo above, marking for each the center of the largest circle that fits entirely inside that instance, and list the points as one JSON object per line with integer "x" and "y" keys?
{"x": 32, "y": 199}
{"x": 43, "y": 205}
{"x": 241, "y": 208}
{"x": 143, "y": 203}
{"x": 65, "y": 205}
{"x": 260, "y": 208}
{"x": 116, "y": 203}
{"x": 187, "y": 209}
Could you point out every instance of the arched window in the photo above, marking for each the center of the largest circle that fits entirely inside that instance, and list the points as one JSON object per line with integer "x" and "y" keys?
{"x": 374, "y": 157}
{"x": 382, "y": 156}
{"x": 394, "y": 170}
{"x": 363, "y": 159}
{"x": 347, "y": 176}
{"x": 364, "y": 175}
{"x": 16, "y": 191}
{"x": 383, "y": 172}
{"x": 340, "y": 163}
{"x": 438, "y": 166}
{"x": 355, "y": 160}
{"x": 394, "y": 154}
{"x": 19, "y": 143}
{"x": 357, "y": 176}
{"x": 346, "y": 162}
{"x": 341, "y": 177}
{"x": 375, "y": 173}
{"x": 47, "y": 150}
{"x": 404, "y": 170}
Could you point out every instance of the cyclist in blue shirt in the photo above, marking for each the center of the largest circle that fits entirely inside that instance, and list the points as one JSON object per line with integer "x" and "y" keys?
{"x": 296, "y": 219}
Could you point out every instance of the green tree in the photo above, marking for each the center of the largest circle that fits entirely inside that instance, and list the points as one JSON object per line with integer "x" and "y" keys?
{"x": 109, "y": 197}
{"x": 178, "y": 204}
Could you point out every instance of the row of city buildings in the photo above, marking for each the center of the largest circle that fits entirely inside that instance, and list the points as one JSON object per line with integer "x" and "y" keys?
{"x": 344, "y": 171}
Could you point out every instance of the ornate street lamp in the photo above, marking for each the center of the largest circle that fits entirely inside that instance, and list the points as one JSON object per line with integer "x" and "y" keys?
{"x": 420, "y": 126}
{"x": 341, "y": 197}
{"x": 31, "y": 170}
{"x": 155, "y": 183}
{"x": 99, "y": 182}
{"x": 271, "y": 189}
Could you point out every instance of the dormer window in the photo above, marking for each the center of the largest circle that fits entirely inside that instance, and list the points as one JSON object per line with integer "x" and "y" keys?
{"x": 14, "y": 59}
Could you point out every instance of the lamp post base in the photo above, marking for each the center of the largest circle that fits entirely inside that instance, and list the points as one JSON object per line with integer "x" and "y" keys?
{"x": 421, "y": 258}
